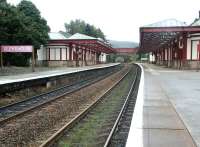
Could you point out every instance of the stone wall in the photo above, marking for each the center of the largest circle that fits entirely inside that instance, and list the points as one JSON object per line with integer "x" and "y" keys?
{"x": 65, "y": 63}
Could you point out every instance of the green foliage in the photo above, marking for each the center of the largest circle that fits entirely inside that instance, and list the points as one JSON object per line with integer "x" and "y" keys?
{"x": 119, "y": 59}
{"x": 3, "y": 1}
{"x": 21, "y": 25}
{"x": 37, "y": 26}
{"x": 80, "y": 26}
{"x": 143, "y": 56}
{"x": 19, "y": 59}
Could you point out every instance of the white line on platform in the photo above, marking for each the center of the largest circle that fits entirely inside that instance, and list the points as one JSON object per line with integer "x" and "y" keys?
{"x": 135, "y": 137}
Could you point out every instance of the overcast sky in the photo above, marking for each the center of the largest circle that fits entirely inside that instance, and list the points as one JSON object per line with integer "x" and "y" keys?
{"x": 118, "y": 19}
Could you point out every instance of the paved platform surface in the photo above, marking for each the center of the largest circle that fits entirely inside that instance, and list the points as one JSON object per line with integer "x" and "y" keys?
{"x": 167, "y": 111}
{"x": 56, "y": 72}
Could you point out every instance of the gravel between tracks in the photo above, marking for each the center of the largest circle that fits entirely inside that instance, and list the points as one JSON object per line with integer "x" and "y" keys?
{"x": 32, "y": 128}
{"x": 94, "y": 128}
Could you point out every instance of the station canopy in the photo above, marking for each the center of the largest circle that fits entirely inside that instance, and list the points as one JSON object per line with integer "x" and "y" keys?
{"x": 154, "y": 36}
{"x": 81, "y": 41}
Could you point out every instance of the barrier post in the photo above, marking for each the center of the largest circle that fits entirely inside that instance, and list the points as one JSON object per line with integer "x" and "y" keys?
{"x": 1, "y": 57}
{"x": 33, "y": 60}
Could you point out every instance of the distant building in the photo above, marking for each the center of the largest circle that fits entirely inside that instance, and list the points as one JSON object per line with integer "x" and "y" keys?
{"x": 73, "y": 50}
{"x": 124, "y": 47}
{"x": 124, "y": 50}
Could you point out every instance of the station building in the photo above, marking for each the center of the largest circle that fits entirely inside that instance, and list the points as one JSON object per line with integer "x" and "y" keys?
{"x": 74, "y": 50}
{"x": 172, "y": 43}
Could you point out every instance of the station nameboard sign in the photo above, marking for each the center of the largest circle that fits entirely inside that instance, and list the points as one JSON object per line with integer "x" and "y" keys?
{"x": 17, "y": 49}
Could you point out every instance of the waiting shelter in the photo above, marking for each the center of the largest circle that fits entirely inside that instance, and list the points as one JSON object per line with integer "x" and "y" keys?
{"x": 76, "y": 50}
{"x": 17, "y": 49}
{"x": 172, "y": 43}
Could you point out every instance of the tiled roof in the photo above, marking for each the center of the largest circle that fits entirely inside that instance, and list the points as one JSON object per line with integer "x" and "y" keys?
{"x": 167, "y": 23}
{"x": 67, "y": 35}
{"x": 81, "y": 36}
{"x": 56, "y": 36}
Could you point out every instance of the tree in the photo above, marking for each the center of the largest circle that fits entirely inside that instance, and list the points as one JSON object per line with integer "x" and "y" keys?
{"x": 21, "y": 25}
{"x": 11, "y": 28}
{"x": 3, "y": 1}
{"x": 88, "y": 29}
{"x": 80, "y": 26}
{"x": 38, "y": 29}
{"x": 9, "y": 22}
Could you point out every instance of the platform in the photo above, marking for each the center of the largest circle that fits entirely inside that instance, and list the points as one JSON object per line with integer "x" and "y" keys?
{"x": 51, "y": 73}
{"x": 167, "y": 109}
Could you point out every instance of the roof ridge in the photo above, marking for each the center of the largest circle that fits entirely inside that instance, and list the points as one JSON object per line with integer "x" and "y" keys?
{"x": 56, "y": 35}
{"x": 167, "y": 23}
{"x": 81, "y": 36}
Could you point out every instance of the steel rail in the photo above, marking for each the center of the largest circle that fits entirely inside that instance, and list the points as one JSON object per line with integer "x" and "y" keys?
{"x": 50, "y": 141}
{"x": 122, "y": 110}
{"x": 3, "y": 121}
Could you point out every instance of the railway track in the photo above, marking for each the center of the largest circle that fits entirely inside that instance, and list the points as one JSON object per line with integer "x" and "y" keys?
{"x": 99, "y": 123}
{"x": 119, "y": 133}
{"x": 14, "y": 110}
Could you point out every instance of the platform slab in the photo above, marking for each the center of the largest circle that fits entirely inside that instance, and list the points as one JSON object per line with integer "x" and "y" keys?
{"x": 44, "y": 74}
{"x": 167, "y": 109}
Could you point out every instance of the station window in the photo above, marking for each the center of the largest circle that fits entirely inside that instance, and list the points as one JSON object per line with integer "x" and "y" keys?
{"x": 64, "y": 55}
{"x": 57, "y": 53}
{"x": 194, "y": 49}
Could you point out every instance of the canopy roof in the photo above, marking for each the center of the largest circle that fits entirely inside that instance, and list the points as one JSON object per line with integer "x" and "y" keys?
{"x": 82, "y": 41}
{"x": 158, "y": 34}
{"x": 167, "y": 23}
